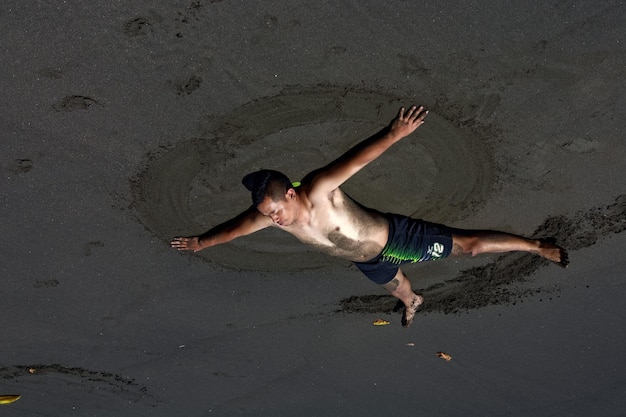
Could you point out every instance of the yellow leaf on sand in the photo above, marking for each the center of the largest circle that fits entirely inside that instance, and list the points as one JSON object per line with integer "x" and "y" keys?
{"x": 444, "y": 356}
{"x": 8, "y": 399}
{"x": 381, "y": 322}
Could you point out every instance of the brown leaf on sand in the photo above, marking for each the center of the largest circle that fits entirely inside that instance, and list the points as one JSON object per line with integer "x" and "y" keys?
{"x": 444, "y": 356}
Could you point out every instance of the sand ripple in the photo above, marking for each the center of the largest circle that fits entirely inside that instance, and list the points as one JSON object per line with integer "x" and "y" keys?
{"x": 441, "y": 173}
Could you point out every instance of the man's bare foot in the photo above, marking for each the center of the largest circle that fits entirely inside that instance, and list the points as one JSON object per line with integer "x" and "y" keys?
{"x": 553, "y": 253}
{"x": 409, "y": 312}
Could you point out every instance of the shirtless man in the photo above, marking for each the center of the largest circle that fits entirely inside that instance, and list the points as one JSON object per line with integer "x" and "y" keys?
{"x": 318, "y": 213}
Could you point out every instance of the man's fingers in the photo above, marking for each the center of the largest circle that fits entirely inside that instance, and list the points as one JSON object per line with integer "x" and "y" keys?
{"x": 413, "y": 113}
{"x": 178, "y": 242}
{"x": 419, "y": 114}
{"x": 185, "y": 243}
{"x": 418, "y": 111}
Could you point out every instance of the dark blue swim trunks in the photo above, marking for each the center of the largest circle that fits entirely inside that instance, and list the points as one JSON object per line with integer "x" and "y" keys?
{"x": 410, "y": 240}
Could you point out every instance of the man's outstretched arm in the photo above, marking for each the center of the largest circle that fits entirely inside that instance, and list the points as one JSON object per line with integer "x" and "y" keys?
{"x": 340, "y": 170}
{"x": 248, "y": 222}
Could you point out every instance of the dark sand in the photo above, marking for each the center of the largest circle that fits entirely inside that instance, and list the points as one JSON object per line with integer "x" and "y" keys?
{"x": 125, "y": 125}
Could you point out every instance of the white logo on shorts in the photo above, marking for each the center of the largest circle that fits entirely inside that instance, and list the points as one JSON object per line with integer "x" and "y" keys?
{"x": 436, "y": 251}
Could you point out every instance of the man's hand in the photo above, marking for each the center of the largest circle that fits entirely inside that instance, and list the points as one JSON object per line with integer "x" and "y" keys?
{"x": 407, "y": 121}
{"x": 186, "y": 243}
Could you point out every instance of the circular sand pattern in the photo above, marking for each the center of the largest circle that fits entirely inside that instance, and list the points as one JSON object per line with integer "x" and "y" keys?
{"x": 440, "y": 173}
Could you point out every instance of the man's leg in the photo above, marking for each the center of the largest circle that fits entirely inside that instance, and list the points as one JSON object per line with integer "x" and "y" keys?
{"x": 477, "y": 242}
{"x": 400, "y": 287}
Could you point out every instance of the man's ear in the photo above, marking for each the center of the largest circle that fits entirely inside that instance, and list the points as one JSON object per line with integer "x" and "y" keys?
{"x": 291, "y": 194}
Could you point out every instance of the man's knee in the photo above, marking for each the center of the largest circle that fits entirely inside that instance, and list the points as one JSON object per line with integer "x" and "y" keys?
{"x": 464, "y": 245}
{"x": 392, "y": 285}
{"x": 398, "y": 284}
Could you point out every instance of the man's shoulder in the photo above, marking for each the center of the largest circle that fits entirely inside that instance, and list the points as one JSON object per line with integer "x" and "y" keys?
{"x": 319, "y": 194}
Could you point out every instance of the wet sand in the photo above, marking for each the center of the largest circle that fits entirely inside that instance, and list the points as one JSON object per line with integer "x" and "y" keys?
{"x": 127, "y": 125}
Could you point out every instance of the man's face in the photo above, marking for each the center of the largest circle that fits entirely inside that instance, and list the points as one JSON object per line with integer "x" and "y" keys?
{"x": 281, "y": 211}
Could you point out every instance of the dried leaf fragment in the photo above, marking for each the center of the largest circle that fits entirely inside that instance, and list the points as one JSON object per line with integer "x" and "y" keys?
{"x": 381, "y": 322}
{"x": 444, "y": 356}
{"x": 8, "y": 399}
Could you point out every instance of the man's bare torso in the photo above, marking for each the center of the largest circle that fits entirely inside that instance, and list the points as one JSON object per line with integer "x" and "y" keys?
{"x": 337, "y": 225}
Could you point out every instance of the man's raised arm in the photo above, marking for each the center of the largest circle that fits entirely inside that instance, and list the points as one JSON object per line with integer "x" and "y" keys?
{"x": 340, "y": 170}
{"x": 248, "y": 222}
